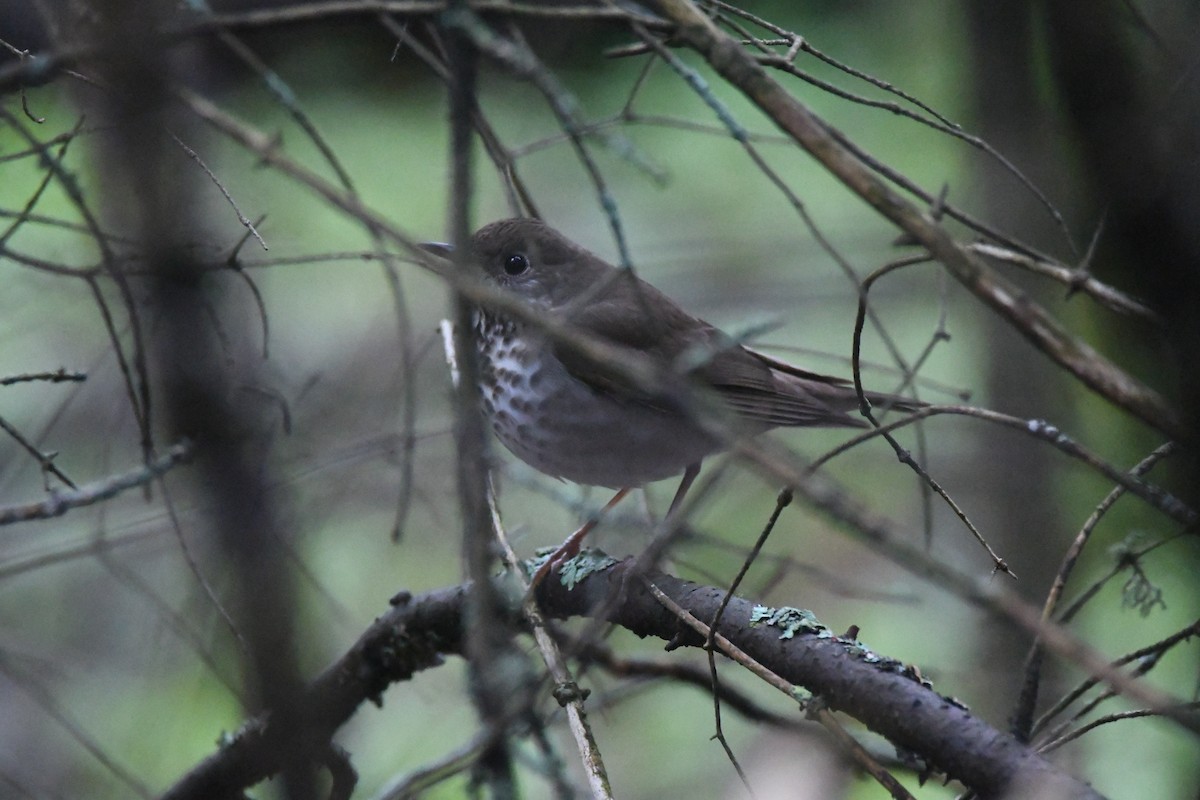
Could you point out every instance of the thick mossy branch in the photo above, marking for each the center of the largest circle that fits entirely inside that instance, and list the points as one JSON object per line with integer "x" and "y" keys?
{"x": 884, "y": 694}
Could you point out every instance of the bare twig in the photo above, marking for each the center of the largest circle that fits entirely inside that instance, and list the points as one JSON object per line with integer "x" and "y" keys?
{"x": 61, "y": 502}
{"x": 60, "y": 375}
{"x": 728, "y": 58}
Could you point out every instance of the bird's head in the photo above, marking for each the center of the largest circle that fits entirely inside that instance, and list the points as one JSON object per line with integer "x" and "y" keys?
{"x": 531, "y": 259}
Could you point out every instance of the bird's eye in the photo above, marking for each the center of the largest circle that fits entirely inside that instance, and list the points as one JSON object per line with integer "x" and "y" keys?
{"x": 515, "y": 264}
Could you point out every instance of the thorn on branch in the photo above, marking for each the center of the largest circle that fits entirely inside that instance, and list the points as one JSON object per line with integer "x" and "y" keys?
{"x": 1080, "y": 276}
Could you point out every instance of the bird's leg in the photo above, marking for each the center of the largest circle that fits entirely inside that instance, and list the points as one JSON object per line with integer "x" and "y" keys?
{"x": 570, "y": 548}
{"x": 689, "y": 476}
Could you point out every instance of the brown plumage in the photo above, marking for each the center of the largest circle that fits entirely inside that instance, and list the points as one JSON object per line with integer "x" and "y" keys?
{"x": 572, "y": 418}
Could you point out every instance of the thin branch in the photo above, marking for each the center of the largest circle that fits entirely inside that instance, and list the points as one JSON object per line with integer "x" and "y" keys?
{"x": 1032, "y": 321}
{"x": 61, "y": 502}
{"x": 1100, "y": 292}
{"x": 45, "y": 460}
{"x": 60, "y": 375}
{"x": 1022, "y": 717}
{"x": 902, "y": 453}
{"x": 523, "y": 63}
{"x": 566, "y": 690}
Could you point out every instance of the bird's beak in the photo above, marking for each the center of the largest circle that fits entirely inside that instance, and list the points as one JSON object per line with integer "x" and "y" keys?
{"x": 441, "y": 249}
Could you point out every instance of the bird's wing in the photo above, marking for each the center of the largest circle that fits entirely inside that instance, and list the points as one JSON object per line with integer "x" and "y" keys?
{"x": 633, "y": 314}
{"x": 758, "y": 390}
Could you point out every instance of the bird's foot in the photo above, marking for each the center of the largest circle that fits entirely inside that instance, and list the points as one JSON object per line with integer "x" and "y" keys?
{"x": 562, "y": 554}
{"x": 570, "y": 548}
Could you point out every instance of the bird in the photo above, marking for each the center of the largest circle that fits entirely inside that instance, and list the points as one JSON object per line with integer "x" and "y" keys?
{"x": 573, "y": 417}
